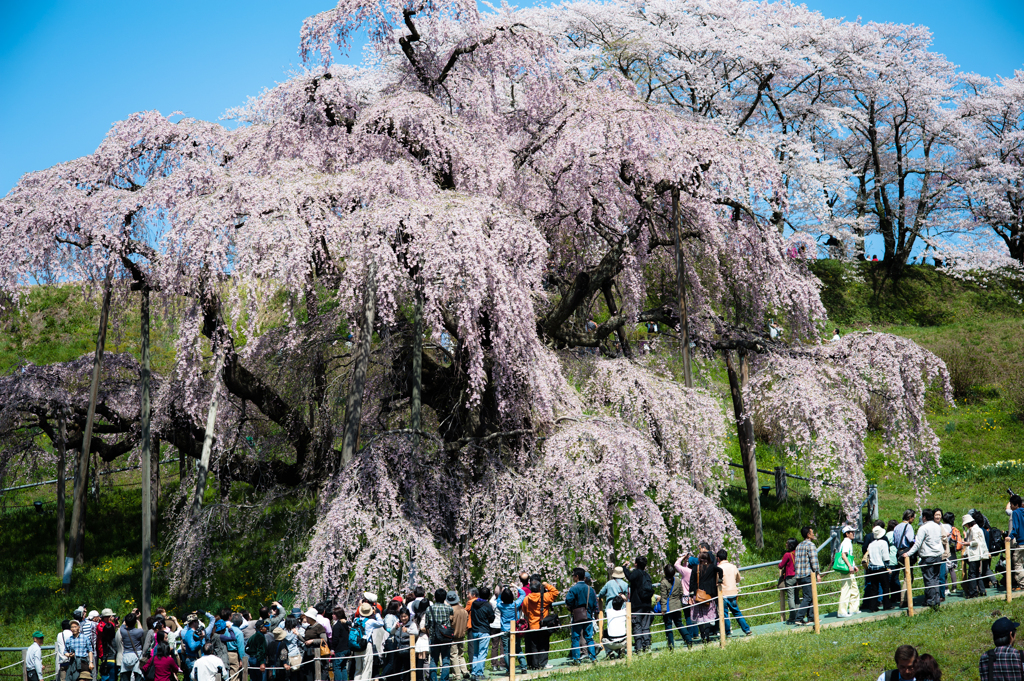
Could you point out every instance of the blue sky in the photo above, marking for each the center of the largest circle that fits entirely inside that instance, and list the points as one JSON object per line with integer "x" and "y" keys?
{"x": 70, "y": 69}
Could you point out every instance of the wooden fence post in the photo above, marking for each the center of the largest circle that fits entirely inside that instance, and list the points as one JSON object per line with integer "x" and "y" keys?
{"x": 412, "y": 658}
{"x": 910, "y": 587}
{"x": 243, "y": 659}
{"x": 513, "y": 661}
{"x": 721, "y": 618}
{"x": 1009, "y": 573}
{"x": 316, "y": 664}
{"x": 814, "y": 601}
{"x": 24, "y": 665}
{"x": 781, "y": 488}
{"x": 600, "y": 627}
{"x": 629, "y": 632}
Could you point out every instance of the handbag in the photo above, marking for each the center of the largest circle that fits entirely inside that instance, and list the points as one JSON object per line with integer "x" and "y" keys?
{"x": 839, "y": 565}
{"x": 551, "y": 620}
{"x": 701, "y": 596}
{"x": 581, "y": 613}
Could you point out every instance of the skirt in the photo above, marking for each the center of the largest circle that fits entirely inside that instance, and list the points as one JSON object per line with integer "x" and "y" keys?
{"x": 705, "y": 612}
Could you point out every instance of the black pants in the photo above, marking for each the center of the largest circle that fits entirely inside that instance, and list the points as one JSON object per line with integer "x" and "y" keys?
{"x": 396, "y": 666}
{"x": 930, "y": 573}
{"x": 538, "y": 642}
{"x": 974, "y": 586}
{"x": 806, "y": 600}
{"x": 875, "y": 584}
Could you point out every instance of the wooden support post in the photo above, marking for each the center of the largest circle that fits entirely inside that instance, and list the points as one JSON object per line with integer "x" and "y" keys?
{"x": 684, "y": 332}
{"x": 1009, "y": 572}
{"x": 361, "y": 364}
{"x": 814, "y": 601}
{"x": 211, "y": 421}
{"x": 721, "y": 618}
{"x": 513, "y": 661}
{"x": 412, "y": 658}
{"x": 600, "y": 626}
{"x": 781, "y": 486}
{"x": 243, "y": 666}
{"x": 24, "y": 665}
{"x": 909, "y": 585}
{"x": 629, "y": 633}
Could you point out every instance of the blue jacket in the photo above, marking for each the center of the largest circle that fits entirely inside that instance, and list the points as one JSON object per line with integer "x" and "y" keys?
{"x": 1017, "y": 525}
{"x": 581, "y": 595}
{"x": 508, "y": 611}
{"x": 193, "y": 644}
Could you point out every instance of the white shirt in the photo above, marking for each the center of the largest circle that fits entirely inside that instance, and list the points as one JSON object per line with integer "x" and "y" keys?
{"x": 878, "y": 553}
{"x": 34, "y": 659}
{"x": 206, "y": 668}
{"x": 61, "y": 645}
{"x": 835, "y": 338}
{"x": 882, "y": 677}
{"x": 615, "y": 622}
{"x": 977, "y": 547}
{"x": 928, "y": 542}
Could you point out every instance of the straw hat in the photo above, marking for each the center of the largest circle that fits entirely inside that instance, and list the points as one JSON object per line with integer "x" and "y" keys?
{"x": 365, "y": 610}
{"x": 617, "y": 573}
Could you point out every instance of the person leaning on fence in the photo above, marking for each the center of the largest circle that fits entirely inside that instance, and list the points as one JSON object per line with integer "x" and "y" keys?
{"x": 731, "y": 578}
{"x": 928, "y": 545}
{"x": 641, "y": 591}
{"x": 209, "y": 667}
{"x": 876, "y": 580}
{"x": 34, "y": 658}
{"x": 581, "y": 601}
{"x": 906, "y": 665}
{"x": 1004, "y": 662}
{"x": 806, "y": 560}
{"x": 849, "y": 595}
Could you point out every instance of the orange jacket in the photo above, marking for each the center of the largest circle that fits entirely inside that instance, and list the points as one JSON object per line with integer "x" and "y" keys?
{"x": 532, "y": 605}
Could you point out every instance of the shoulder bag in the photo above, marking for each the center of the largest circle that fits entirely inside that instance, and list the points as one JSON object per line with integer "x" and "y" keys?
{"x": 839, "y": 565}
{"x": 701, "y": 596}
{"x": 581, "y": 613}
{"x": 551, "y": 620}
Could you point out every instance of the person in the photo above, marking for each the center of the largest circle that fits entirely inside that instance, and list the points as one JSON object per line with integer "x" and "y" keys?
{"x": 460, "y": 627}
{"x": 60, "y": 646}
{"x": 81, "y": 647}
{"x": 614, "y": 639}
{"x": 235, "y": 643}
{"x": 339, "y": 644}
{"x": 641, "y": 591}
{"x": 438, "y": 623}
{"x": 581, "y": 602}
{"x": 293, "y": 643}
{"x": 877, "y": 577}
{"x": 1004, "y": 662}
{"x": 481, "y": 613}
{"x": 807, "y": 569}
{"x": 731, "y": 578}
{"x": 418, "y": 611}
{"x": 209, "y": 666}
{"x": 508, "y": 607}
{"x": 673, "y": 607}
{"x": 704, "y": 585}
{"x": 906, "y": 665}
{"x": 956, "y": 547}
{"x": 684, "y": 567}
{"x": 34, "y": 658}
{"x": 928, "y": 544}
{"x": 835, "y": 336}
{"x": 892, "y": 598}
{"x": 256, "y": 651}
{"x": 944, "y": 532}
{"x": 614, "y": 586}
{"x": 787, "y": 578}
{"x": 312, "y": 637}
{"x": 536, "y": 606}
{"x": 193, "y": 638}
{"x": 494, "y": 630}
{"x": 977, "y": 556}
{"x": 849, "y": 595}
{"x": 927, "y": 669}
{"x": 874, "y": 258}
{"x": 163, "y": 661}
{"x": 106, "y": 652}
{"x": 903, "y": 539}
{"x": 397, "y": 645}
{"x": 1016, "y": 535}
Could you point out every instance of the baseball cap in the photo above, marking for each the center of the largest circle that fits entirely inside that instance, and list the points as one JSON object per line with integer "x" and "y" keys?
{"x": 37, "y": 634}
{"x": 1004, "y": 626}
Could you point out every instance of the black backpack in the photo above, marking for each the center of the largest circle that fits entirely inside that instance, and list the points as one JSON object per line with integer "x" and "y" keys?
{"x": 646, "y": 590}
{"x": 995, "y": 540}
{"x": 442, "y": 632}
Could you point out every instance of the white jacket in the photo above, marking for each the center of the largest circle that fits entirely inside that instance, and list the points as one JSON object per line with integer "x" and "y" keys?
{"x": 977, "y": 547}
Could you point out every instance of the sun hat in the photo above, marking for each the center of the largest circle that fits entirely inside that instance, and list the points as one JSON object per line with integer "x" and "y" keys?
{"x": 452, "y": 598}
{"x": 107, "y": 612}
{"x": 967, "y": 519}
{"x": 37, "y": 634}
{"x": 1004, "y": 626}
{"x": 311, "y": 613}
{"x": 878, "y": 532}
{"x": 848, "y": 528}
{"x": 365, "y": 610}
{"x": 296, "y": 612}
{"x": 370, "y": 596}
{"x": 617, "y": 573}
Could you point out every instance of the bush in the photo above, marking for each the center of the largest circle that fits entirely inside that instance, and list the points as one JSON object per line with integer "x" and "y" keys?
{"x": 968, "y": 370}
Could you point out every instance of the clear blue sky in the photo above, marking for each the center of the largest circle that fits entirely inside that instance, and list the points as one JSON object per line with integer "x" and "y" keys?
{"x": 70, "y": 69}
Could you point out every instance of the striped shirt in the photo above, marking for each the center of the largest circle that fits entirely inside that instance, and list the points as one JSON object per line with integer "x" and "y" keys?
{"x": 806, "y": 558}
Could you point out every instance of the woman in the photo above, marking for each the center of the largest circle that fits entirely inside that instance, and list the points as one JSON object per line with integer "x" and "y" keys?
{"x": 422, "y": 640}
{"x": 927, "y": 669}
{"x": 704, "y": 585}
{"x": 396, "y": 664}
{"x": 894, "y": 591}
{"x": 339, "y": 644}
{"x": 293, "y": 643}
{"x": 956, "y": 546}
{"x": 945, "y": 529}
{"x": 132, "y": 641}
{"x": 849, "y": 596}
{"x": 166, "y": 667}
{"x": 391, "y": 614}
{"x": 508, "y": 607}
{"x": 671, "y": 592}
{"x": 313, "y": 636}
{"x": 787, "y": 578}
{"x": 878, "y": 570}
{"x": 977, "y": 557}
{"x": 536, "y": 607}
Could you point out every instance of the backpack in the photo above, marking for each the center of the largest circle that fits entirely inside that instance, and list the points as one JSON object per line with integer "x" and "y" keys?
{"x": 442, "y": 632}
{"x": 956, "y": 540}
{"x": 357, "y": 634}
{"x": 646, "y": 590}
{"x": 995, "y": 540}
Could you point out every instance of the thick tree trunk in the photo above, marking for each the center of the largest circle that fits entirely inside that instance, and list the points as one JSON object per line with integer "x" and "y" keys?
{"x": 78, "y": 503}
{"x": 154, "y": 498}
{"x": 613, "y": 310}
{"x": 684, "y": 332}
{"x": 745, "y": 432}
{"x": 354, "y": 409}
{"x": 61, "y": 464}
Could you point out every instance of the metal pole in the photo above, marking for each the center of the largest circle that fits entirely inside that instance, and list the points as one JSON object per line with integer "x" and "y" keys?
{"x": 147, "y": 464}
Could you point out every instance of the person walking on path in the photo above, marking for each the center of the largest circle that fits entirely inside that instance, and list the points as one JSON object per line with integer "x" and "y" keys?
{"x": 731, "y": 578}
{"x": 976, "y": 549}
{"x": 877, "y": 578}
{"x": 849, "y": 595}
{"x": 34, "y": 658}
{"x": 787, "y": 579}
{"x": 582, "y": 604}
{"x": 928, "y": 545}
{"x": 1004, "y": 662}
{"x": 1016, "y": 535}
{"x": 806, "y": 559}
{"x": 641, "y": 591}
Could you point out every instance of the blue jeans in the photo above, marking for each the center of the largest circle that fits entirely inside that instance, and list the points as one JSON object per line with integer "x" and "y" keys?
{"x": 587, "y": 631}
{"x": 732, "y": 609}
{"x": 674, "y": 620}
{"x": 440, "y": 661}
{"x": 942, "y": 579}
{"x": 340, "y": 665}
{"x": 506, "y": 640}
{"x": 478, "y": 645}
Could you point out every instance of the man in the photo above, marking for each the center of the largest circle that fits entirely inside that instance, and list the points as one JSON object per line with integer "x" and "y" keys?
{"x": 928, "y": 545}
{"x": 731, "y": 578}
{"x": 806, "y": 561}
{"x": 460, "y": 626}
{"x": 481, "y": 613}
{"x": 34, "y": 658}
{"x": 438, "y": 623}
{"x": 193, "y": 639}
{"x": 209, "y": 666}
{"x": 641, "y": 591}
{"x": 582, "y": 601}
{"x": 903, "y": 539}
{"x": 614, "y": 586}
{"x": 88, "y": 624}
{"x": 1016, "y": 535}
{"x": 81, "y": 648}
{"x": 1004, "y": 662}
{"x": 471, "y": 596}
{"x": 236, "y": 647}
{"x": 906, "y": 662}
{"x": 339, "y": 644}
{"x": 256, "y": 651}
{"x": 106, "y": 651}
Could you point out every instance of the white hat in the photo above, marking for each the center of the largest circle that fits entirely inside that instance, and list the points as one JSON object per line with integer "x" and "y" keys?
{"x": 92, "y": 613}
{"x": 107, "y": 612}
{"x": 80, "y": 610}
{"x": 847, "y": 528}
{"x": 311, "y": 613}
{"x": 967, "y": 519}
{"x": 878, "y": 532}
{"x": 370, "y": 596}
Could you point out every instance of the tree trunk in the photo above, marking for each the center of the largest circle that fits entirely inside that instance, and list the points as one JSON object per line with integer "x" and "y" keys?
{"x": 182, "y": 465}
{"x": 61, "y": 464}
{"x": 154, "y": 499}
{"x": 416, "y": 382}
{"x": 204, "y": 459}
{"x": 78, "y": 503}
{"x": 613, "y": 310}
{"x": 745, "y": 432}
{"x": 684, "y": 331}
{"x": 354, "y": 409}
{"x": 147, "y": 466}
